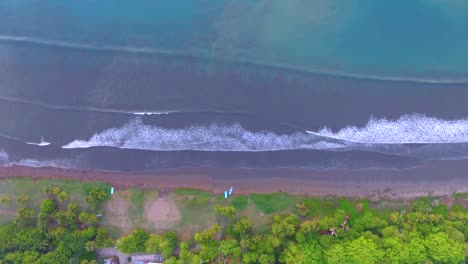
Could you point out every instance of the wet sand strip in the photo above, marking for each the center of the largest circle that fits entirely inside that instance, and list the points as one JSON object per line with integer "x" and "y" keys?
{"x": 436, "y": 178}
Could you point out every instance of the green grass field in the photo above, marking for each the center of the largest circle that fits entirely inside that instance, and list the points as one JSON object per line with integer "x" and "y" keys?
{"x": 273, "y": 203}
{"x": 239, "y": 202}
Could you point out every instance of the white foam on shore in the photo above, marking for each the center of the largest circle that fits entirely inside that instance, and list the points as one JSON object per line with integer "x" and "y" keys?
{"x": 215, "y": 137}
{"x": 5, "y": 161}
{"x": 38, "y": 163}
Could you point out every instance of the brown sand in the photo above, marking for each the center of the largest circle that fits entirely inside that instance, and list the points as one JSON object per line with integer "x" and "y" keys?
{"x": 117, "y": 213}
{"x": 436, "y": 178}
{"x": 162, "y": 213}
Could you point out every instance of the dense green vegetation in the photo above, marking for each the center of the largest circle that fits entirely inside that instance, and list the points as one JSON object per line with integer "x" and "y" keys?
{"x": 60, "y": 231}
{"x": 60, "y": 222}
{"x": 424, "y": 231}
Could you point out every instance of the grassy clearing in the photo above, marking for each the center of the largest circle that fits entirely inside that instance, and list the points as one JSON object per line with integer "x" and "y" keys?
{"x": 194, "y": 197}
{"x": 239, "y": 202}
{"x": 272, "y": 203}
{"x": 196, "y": 209}
{"x": 137, "y": 200}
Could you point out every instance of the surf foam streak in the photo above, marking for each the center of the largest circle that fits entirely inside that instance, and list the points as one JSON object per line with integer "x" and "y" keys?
{"x": 84, "y": 46}
{"x": 406, "y": 130}
{"x": 215, "y": 137}
{"x": 77, "y": 108}
{"x": 203, "y": 54}
{"x": 41, "y": 144}
{"x": 136, "y": 135}
{"x": 151, "y": 113}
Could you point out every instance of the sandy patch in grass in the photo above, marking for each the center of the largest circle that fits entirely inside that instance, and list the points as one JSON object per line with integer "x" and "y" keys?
{"x": 116, "y": 213}
{"x": 162, "y": 213}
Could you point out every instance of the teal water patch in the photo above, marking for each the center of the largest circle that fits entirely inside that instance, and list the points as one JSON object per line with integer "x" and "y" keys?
{"x": 390, "y": 39}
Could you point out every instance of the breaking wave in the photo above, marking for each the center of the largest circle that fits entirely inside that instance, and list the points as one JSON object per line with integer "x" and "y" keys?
{"x": 410, "y": 129}
{"x": 137, "y": 135}
{"x": 3, "y": 157}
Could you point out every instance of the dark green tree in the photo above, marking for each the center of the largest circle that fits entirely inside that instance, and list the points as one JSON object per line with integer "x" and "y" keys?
{"x": 309, "y": 252}
{"x": 48, "y": 206}
{"x": 135, "y": 242}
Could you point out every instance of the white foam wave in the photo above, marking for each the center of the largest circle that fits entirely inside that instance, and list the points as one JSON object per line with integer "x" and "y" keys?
{"x": 3, "y": 156}
{"x": 136, "y": 135}
{"x": 406, "y": 130}
{"x": 215, "y": 137}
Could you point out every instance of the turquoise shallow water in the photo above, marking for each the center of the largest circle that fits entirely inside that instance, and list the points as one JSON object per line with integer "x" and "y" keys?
{"x": 425, "y": 40}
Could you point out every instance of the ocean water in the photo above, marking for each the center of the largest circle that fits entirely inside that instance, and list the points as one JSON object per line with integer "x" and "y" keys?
{"x": 393, "y": 39}
{"x": 147, "y": 85}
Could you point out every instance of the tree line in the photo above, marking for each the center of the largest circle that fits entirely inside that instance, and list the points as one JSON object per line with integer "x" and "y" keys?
{"x": 60, "y": 231}
{"x": 422, "y": 232}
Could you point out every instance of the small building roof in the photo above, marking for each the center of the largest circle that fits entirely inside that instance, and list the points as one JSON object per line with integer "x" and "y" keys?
{"x": 147, "y": 259}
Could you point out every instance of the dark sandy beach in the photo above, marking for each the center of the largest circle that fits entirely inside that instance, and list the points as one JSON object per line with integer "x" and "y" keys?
{"x": 436, "y": 178}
